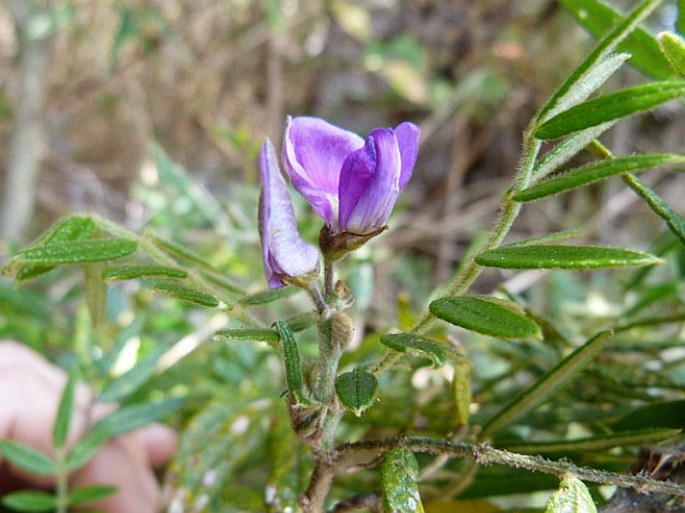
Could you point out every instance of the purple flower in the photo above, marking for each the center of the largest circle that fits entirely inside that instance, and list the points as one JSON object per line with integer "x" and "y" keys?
{"x": 287, "y": 258}
{"x": 352, "y": 183}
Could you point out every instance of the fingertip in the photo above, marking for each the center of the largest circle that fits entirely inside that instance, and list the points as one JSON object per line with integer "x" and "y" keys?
{"x": 159, "y": 441}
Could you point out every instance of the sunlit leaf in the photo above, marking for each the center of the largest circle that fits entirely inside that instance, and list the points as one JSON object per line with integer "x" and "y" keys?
{"x": 353, "y": 18}
{"x": 548, "y": 384}
{"x": 595, "y": 172}
{"x": 598, "y": 18}
{"x": 356, "y": 389}
{"x": 399, "y": 471}
{"x": 486, "y": 315}
{"x": 607, "y": 45}
{"x": 673, "y": 47}
{"x": 591, "y": 80}
{"x": 564, "y": 257}
{"x": 609, "y": 107}
{"x": 568, "y": 148}
{"x": 571, "y": 497}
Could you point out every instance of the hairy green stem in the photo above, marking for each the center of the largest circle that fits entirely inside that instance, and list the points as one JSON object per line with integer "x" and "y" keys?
{"x": 509, "y": 210}
{"x": 483, "y": 454}
{"x": 328, "y": 277}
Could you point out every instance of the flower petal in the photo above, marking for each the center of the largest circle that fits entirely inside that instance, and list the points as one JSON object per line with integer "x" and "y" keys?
{"x": 313, "y": 155}
{"x": 369, "y": 183}
{"x": 285, "y": 254}
{"x": 408, "y": 141}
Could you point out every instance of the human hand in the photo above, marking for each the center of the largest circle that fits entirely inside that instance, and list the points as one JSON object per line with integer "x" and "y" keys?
{"x": 30, "y": 391}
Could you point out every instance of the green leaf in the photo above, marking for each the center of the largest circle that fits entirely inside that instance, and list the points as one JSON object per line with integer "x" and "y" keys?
{"x": 680, "y": 22}
{"x": 96, "y": 292}
{"x": 486, "y": 315}
{"x": 90, "y": 494}
{"x": 549, "y": 384}
{"x": 651, "y": 321}
{"x": 593, "y": 78}
{"x": 86, "y": 448}
{"x": 248, "y": 334}
{"x": 64, "y": 412}
{"x": 356, "y": 389}
{"x": 595, "y": 172}
{"x": 128, "y": 383}
{"x": 673, "y": 47}
{"x": 181, "y": 252}
{"x": 658, "y": 206}
{"x": 293, "y": 368}
{"x": 136, "y": 416}
{"x": 609, "y": 107}
{"x": 568, "y": 148}
{"x": 399, "y": 472}
{"x": 70, "y": 229}
{"x": 667, "y": 414}
{"x": 33, "y": 500}
{"x": 408, "y": 342}
{"x": 571, "y": 497}
{"x": 76, "y": 252}
{"x": 269, "y": 296}
{"x": 132, "y": 272}
{"x": 287, "y": 458}
{"x": 604, "y": 48}
{"x": 564, "y": 257}
{"x": 27, "y": 458}
{"x": 461, "y": 391}
{"x": 189, "y": 295}
{"x": 222, "y": 282}
{"x": 547, "y": 239}
{"x": 596, "y": 443}
{"x": 598, "y": 18}
{"x": 302, "y": 321}
{"x": 73, "y": 228}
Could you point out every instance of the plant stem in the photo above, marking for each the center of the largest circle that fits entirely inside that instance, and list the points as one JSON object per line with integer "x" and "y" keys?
{"x": 144, "y": 244}
{"x": 61, "y": 475}
{"x": 509, "y": 210}
{"x": 483, "y": 454}
{"x": 328, "y": 277}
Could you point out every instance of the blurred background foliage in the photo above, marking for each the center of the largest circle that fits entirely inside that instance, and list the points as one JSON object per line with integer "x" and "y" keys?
{"x": 151, "y": 113}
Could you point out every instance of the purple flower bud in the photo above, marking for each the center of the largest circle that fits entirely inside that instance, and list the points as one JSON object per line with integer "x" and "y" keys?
{"x": 353, "y": 184}
{"x": 286, "y": 256}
